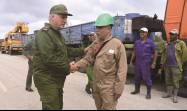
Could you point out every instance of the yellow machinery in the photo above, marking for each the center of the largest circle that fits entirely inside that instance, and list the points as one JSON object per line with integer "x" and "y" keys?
{"x": 13, "y": 39}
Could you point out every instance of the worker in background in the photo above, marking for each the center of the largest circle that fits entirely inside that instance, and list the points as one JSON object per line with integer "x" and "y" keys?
{"x": 51, "y": 59}
{"x": 110, "y": 65}
{"x": 172, "y": 62}
{"x": 144, "y": 50}
{"x": 89, "y": 70}
{"x": 28, "y": 53}
{"x": 160, "y": 44}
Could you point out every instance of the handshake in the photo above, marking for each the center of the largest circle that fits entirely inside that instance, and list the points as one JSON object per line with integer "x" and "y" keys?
{"x": 73, "y": 67}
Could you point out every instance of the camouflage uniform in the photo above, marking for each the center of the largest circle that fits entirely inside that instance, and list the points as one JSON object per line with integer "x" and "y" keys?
{"x": 177, "y": 71}
{"x": 173, "y": 74}
{"x": 160, "y": 43}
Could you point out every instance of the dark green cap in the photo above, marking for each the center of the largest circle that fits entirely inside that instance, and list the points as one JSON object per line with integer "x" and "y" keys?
{"x": 60, "y": 9}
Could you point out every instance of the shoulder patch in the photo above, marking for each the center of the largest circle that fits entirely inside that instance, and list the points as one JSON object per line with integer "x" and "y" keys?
{"x": 45, "y": 28}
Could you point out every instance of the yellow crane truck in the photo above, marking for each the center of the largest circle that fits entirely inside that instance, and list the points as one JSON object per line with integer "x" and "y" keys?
{"x": 12, "y": 42}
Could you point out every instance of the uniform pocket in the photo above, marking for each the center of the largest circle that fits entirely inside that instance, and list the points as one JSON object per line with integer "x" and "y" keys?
{"x": 108, "y": 60}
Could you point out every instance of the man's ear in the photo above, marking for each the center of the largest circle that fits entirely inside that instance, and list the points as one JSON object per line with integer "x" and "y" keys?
{"x": 51, "y": 16}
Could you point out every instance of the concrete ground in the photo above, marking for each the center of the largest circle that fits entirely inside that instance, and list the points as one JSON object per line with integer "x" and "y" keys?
{"x": 13, "y": 71}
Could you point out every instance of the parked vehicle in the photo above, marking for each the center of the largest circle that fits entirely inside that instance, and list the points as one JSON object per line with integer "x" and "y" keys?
{"x": 12, "y": 42}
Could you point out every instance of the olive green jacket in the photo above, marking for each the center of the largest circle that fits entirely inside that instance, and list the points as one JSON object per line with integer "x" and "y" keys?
{"x": 180, "y": 53}
{"x": 51, "y": 55}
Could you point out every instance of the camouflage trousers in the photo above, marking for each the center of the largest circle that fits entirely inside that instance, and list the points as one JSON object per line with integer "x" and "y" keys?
{"x": 173, "y": 76}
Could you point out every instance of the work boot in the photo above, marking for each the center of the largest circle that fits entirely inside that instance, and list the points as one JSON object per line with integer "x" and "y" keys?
{"x": 137, "y": 90}
{"x": 148, "y": 96}
{"x": 169, "y": 92}
{"x": 88, "y": 89}
{"x": 175, "y": 92}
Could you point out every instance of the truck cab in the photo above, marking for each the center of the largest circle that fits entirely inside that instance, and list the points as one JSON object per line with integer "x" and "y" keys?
{"x": 13, "y": 41}
{"x": 11, "y": 44}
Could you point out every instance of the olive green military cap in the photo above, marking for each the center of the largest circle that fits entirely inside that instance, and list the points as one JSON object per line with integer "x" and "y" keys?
{"x": 60, "y": 9}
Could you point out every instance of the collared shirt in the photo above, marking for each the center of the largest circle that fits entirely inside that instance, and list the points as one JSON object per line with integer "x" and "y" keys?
{"x": 110, "y": 64}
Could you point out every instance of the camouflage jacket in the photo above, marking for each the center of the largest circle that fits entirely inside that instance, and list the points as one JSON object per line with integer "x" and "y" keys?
{"x": 180, "y": 51}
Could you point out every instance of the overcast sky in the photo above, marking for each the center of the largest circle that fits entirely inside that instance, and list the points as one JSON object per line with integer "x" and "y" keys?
{"x": 35, "y": 12}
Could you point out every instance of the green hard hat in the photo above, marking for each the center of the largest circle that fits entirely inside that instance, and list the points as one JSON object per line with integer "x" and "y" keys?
{"x": 60, "y": 9}
{"x": 104, "y": 20}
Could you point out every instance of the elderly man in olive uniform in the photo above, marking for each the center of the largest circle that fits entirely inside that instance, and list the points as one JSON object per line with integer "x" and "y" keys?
{"x": 110, "y": 65}
{"x": 51, "y": 59}
{"x": 172, "y": 62}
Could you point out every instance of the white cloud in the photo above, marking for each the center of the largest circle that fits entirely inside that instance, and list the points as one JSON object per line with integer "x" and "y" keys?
{"x": 35, "y": 12}
{"x": 36, "y": 26}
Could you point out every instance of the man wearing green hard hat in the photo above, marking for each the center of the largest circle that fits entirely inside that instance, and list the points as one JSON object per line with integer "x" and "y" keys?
{"x": 51, "y": 59}
{"x": 108, "y": 56}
